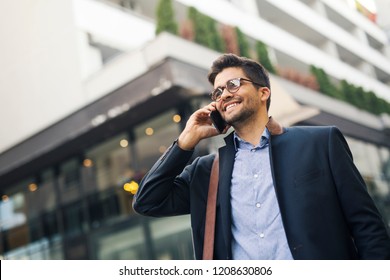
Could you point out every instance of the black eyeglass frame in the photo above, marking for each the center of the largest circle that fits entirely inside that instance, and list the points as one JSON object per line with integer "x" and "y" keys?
{"x": 216, "y": 94}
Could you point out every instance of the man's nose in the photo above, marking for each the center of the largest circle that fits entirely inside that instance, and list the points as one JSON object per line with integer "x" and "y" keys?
{"x": 226, "y": 94}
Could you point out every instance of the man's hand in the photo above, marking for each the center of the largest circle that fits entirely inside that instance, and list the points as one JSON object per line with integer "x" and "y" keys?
{"x": 198, "y": 127}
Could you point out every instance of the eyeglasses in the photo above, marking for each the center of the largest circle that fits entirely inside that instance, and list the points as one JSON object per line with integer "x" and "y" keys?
{"x": 232, "y": 86}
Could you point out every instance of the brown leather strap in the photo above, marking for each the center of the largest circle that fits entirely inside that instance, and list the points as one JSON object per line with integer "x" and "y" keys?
{"x": 209, "y": 234}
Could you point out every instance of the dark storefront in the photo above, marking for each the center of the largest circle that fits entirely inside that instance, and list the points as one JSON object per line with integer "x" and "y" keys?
{"x": 65, "y": 191}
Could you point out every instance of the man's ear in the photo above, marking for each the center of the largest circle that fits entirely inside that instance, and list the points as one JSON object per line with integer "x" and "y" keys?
{"x": 264, "y": 93}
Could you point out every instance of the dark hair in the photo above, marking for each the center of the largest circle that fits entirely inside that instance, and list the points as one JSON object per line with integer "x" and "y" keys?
{"x": 252, "y": 69}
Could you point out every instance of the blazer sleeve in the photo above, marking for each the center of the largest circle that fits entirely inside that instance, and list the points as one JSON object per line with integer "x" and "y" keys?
{"x": 164, "y": 190}
{"x": 363, "y": 218}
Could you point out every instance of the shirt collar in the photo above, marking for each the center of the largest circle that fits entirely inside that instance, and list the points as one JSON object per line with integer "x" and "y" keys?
{"x": 240, "y": 143}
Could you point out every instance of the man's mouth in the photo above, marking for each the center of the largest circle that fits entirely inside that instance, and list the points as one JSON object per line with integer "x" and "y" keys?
{"x": 230, "y": 106}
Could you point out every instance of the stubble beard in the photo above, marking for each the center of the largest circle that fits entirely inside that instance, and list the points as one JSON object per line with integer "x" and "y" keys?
{"x": 241, "y": 117}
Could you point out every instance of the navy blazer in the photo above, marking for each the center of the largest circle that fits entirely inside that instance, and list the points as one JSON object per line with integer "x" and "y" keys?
{"x": 326, "y": 210}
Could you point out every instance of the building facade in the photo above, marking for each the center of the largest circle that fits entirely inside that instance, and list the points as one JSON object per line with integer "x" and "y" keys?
{"x": 91, "y": 98}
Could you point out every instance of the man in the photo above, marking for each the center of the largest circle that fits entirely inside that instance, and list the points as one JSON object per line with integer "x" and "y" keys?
{"x": 296, "y": 195}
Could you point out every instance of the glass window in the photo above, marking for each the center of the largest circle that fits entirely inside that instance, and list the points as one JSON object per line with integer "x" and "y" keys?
{"x": 69, "y": 180}
{"x": 374, "y": 161}
{"x": 39, "y": 250}
{"x": 103, "y": 206}
{"x": 16, "y": 237}
{"x": 172, "y": 238}
{"x": 154, "y": 137}
{"x": 71, "y": 196}
{"x": 383, "y": 199}
{"x": 169, "y": 238}
{"x": 359, "y": 156}
{"x": 385, "y": 168}
{"x": 47, "y": 191}
{"x": 41, "y": 195}
{"x": 22, "y": 218}
{"x": 50, "y": 225}
{"x": 122, "y": 244}
{"x": 367, "y": 158}
{"x": 371, "y": 162}
{"x": 35, "y": 227}
{"x": 13, "y": 210}
{"x": 110, "y": 162}
{"x": 106, "y": 169}
{"x": 73, "y": 218}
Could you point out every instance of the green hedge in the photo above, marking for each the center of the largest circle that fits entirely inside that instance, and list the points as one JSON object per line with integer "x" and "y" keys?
{"x": 205, "y": 30}
{"x": 355, "y": 95}
{"x": 243, "y": 44}
{"x": 207, "y": 34}
{"x": 263, "y": 57}
{"x": 166, "y": 18}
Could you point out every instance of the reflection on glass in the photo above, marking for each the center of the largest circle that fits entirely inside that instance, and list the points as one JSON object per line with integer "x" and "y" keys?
{"x": 39, "y": 250}
{"x": 111, "y": 162}
{"x": 152, "y": 136}
{"x": 372, "y": 162}
{"x": 172, "y": 238}
{"x": 13, "y": 209}
{"x": 124, "y": 244}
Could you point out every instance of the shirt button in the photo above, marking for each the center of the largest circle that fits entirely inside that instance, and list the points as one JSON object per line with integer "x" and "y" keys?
{"x": 261, "y": 235}
{"x": 256, "y": 175}
{"x": 258, "y": 205}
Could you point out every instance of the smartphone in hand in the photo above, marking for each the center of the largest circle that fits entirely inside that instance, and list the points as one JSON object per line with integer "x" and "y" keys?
{"x": 218, "y": 121}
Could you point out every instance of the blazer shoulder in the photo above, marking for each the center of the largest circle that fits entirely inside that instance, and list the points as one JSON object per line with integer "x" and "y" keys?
{"x": 320, "y": 130}
{"x": 310, "y": 134}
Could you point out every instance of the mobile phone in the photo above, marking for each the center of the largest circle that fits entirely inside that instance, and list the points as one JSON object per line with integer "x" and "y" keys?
{"x": 218, "y": 121}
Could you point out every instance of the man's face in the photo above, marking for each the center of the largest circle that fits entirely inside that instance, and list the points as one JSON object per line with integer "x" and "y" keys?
{"x": 242, "y": 106}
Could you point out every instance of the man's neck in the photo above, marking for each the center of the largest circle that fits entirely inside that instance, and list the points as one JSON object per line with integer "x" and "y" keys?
{"x": 251, "y": 131}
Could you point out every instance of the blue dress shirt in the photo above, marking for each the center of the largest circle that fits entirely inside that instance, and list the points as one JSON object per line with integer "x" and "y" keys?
{"x": 257, "y": 227}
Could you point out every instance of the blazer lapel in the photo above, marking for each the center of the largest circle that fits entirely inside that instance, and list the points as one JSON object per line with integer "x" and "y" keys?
{"x": 226, "y": 162}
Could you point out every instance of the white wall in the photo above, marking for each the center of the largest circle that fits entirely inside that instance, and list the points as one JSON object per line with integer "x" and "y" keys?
{"x": 47, "y": 62}
{"x": 299, "y": 49}
{"x": 383, "y": 10}
{"x": 40, "y": 79}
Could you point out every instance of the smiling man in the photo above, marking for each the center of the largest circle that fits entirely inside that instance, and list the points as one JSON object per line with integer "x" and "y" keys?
{"x": 291, "y": 193}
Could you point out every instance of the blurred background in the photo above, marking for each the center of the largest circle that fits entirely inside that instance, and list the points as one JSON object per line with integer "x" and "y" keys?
{"x": 92, "y": 92}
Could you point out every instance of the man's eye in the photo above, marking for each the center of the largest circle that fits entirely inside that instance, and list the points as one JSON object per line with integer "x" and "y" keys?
{"x": 234, "y": 83}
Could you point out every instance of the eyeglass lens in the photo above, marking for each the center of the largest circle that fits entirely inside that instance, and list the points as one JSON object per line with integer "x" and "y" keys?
{"x": 232, "y": 86}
